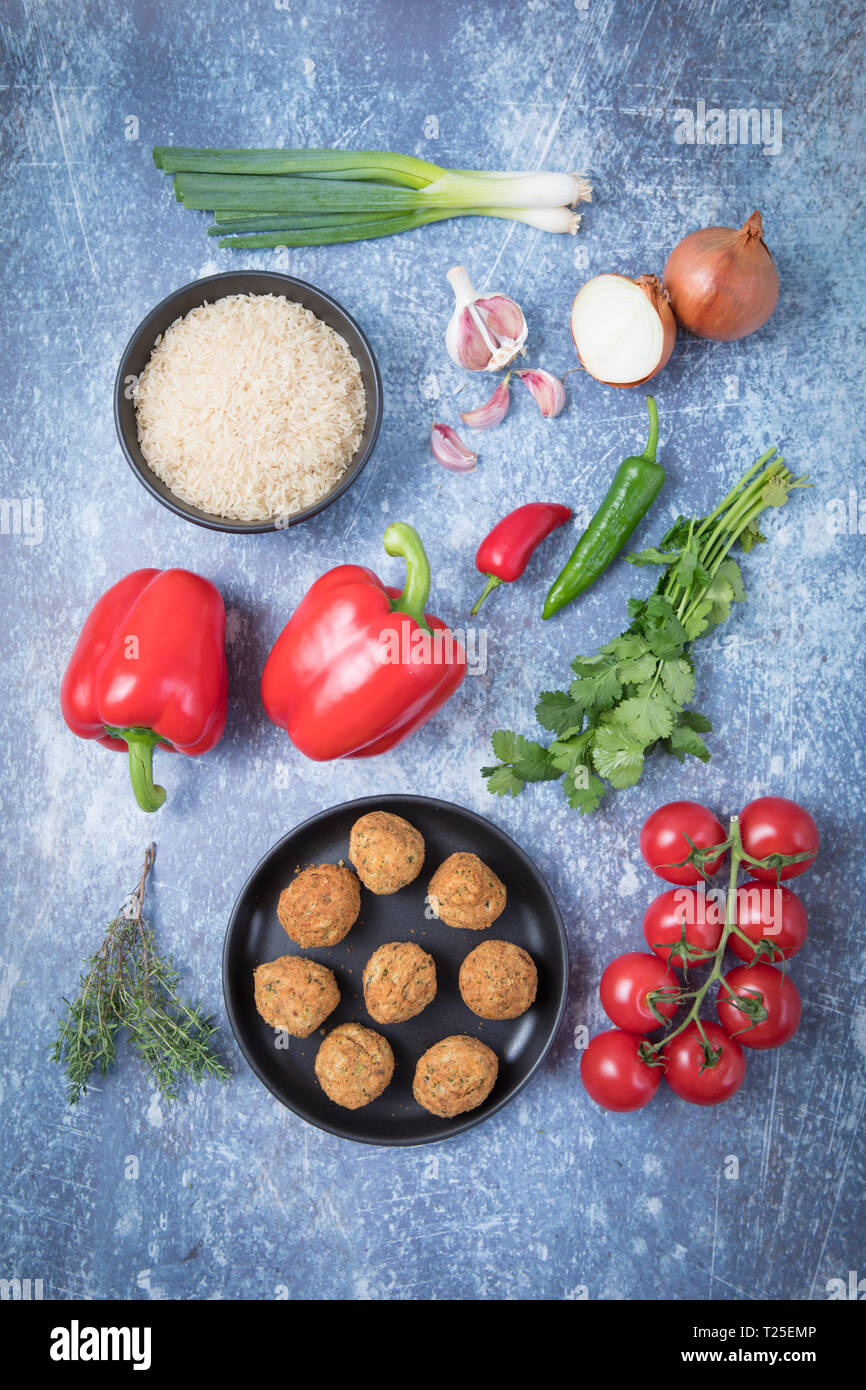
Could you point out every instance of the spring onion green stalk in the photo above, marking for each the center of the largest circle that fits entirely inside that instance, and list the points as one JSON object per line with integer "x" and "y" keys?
{"x": 230, "y": 222}
{"x": 315, "y": 229}
{"x": 375, "y": 165}
{"x": 338, "y": 229}
{"x": 264, "y": 198}
{"x": 273, "y": 193}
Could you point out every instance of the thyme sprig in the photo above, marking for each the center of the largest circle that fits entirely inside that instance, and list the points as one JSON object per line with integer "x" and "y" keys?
{"x": 129, "y": 984}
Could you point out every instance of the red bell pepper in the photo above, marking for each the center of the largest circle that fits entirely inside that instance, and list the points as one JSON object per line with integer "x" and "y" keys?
{"x": 359, "y": 665}
{"x": 504, "y": 554}
{"x": 150, "y": 668}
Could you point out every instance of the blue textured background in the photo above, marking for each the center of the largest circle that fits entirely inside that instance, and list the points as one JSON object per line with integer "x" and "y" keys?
{"x": 235, "y": 1197}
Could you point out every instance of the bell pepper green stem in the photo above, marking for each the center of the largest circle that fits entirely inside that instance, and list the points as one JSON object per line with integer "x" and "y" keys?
{"x": 649, "y": 452}
{"x": 140, "y": 743}
{"x": 402, "y": 539}
{"x": 492, "y": 583}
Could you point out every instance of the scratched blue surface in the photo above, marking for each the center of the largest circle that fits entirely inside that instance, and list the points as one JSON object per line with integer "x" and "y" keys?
{"x": 230, "y": 1195}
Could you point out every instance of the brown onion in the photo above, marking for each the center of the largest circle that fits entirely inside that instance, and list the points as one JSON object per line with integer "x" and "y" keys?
{"x": 723, "y": 283}
{"x": 623, "y": 329}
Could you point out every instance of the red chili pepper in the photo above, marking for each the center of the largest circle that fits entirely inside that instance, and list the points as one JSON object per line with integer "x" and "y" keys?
{"x": 359, "y": 665}
{"x": 505, "y": 553}
{"x": 150, "y": 668}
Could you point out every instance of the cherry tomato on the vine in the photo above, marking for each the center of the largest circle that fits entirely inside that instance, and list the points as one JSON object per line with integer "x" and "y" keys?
{"x": 774, "y": 992}
{"x": 614, "y": 1075}
{"x": 625, "y": 985}
{"x": 775, "y": 825}
{"x": 667, "y": 914}
{"x": 663, "y": 843}
{"x": 769, "y": 914}
{"x": 688, "y": 1073}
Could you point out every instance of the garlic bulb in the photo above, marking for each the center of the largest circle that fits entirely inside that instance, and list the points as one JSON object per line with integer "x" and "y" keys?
{"x": 485, "y": 332}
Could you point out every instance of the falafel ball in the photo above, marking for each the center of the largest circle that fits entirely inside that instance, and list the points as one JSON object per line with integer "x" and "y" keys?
{"x": 455, "y": 1075}
{"x": 321, "y": 905}
{"x": 295, "y": 994}
{"x": 399, "y": 982}
{"x": 465, "y": 893}
{"x": 354, "y": 1065}
{"x": 386, "y": 850}
{"x": 498, "y": 980}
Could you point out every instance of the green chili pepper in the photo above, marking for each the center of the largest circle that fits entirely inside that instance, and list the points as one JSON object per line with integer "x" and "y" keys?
{"x": 636, "y": 484}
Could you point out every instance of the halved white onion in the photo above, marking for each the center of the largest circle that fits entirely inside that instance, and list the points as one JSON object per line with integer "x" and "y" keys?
{"x": 624, "y": 330}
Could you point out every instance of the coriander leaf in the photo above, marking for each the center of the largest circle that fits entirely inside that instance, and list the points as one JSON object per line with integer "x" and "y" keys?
{"x": 642, "y": 668}
{"x": 697, "y": 621}
{"x": 775, "y": 493}
{"x": 730, "y": 570}
{"x": 678, "y": 534}
{"x": 664, "y": 631}
{"x": 595, "y": 693}
{"x": 583, "y": 789}
{"x": 678, "y": 678}
{"x": 566, "y": 753}
{"x": 689, "y": 573}
{"x": 646, "y": 717}
{"x": 635, "y": 662}
{"x": 557, "y": 711}
{"x": 503, "y": 780}
{"x": 720, "y": 596}
{"x": 652, "y": 556}
{"x": 751, "y": 537}
{"x": 699, "y": 722}
{"x": 529, "y": 760}
{"x": 506, "y": 745}
{"x": 626, "y": 646}
{"x": 616, "y": 755}
{"x": 684, "y": 740}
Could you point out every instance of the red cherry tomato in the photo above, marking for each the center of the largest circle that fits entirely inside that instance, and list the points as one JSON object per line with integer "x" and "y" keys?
{"x": 687, "y": 1072}
{"x": 663, "y": 843}
{"x": 625, "y": 985}
{"x": 769, "y": 914}
{"x": 613, "y": 1074}
{"x": 770, "y": 989}
{"x": 667, "y": 914}
{"x": 775, "y": 825}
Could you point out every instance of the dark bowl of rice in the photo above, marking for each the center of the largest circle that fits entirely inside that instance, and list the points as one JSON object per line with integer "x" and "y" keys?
{"x": 248, "y": 401}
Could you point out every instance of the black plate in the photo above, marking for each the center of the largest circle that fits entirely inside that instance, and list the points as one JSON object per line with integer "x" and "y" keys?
{"x": 136, "y": 356}
{"x": 531, "y": 919}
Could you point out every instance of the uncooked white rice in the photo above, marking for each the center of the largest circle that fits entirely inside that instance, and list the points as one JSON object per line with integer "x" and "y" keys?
{"x": 250, "y": 408}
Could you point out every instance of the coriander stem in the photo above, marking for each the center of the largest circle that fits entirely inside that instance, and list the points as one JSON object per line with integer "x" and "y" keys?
{"x": 736, "y": 489}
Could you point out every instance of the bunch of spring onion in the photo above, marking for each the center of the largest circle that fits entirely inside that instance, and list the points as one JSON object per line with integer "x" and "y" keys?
{"x": 263, "y": 198}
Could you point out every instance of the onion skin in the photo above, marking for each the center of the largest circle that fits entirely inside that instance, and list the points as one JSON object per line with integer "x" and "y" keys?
{"x": 658, "y": 297}
{"x": 723, "y": 282}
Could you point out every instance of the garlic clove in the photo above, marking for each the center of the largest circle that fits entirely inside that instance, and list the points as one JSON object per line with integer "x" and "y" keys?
{"x": 448, "y": 449}
{"x": 547, "y": 390}
{"x": 503, "y": 317}
{"x": 473, "y": 345}
{"x": 492, "y": 412}
{"x": 485, "y": 332}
